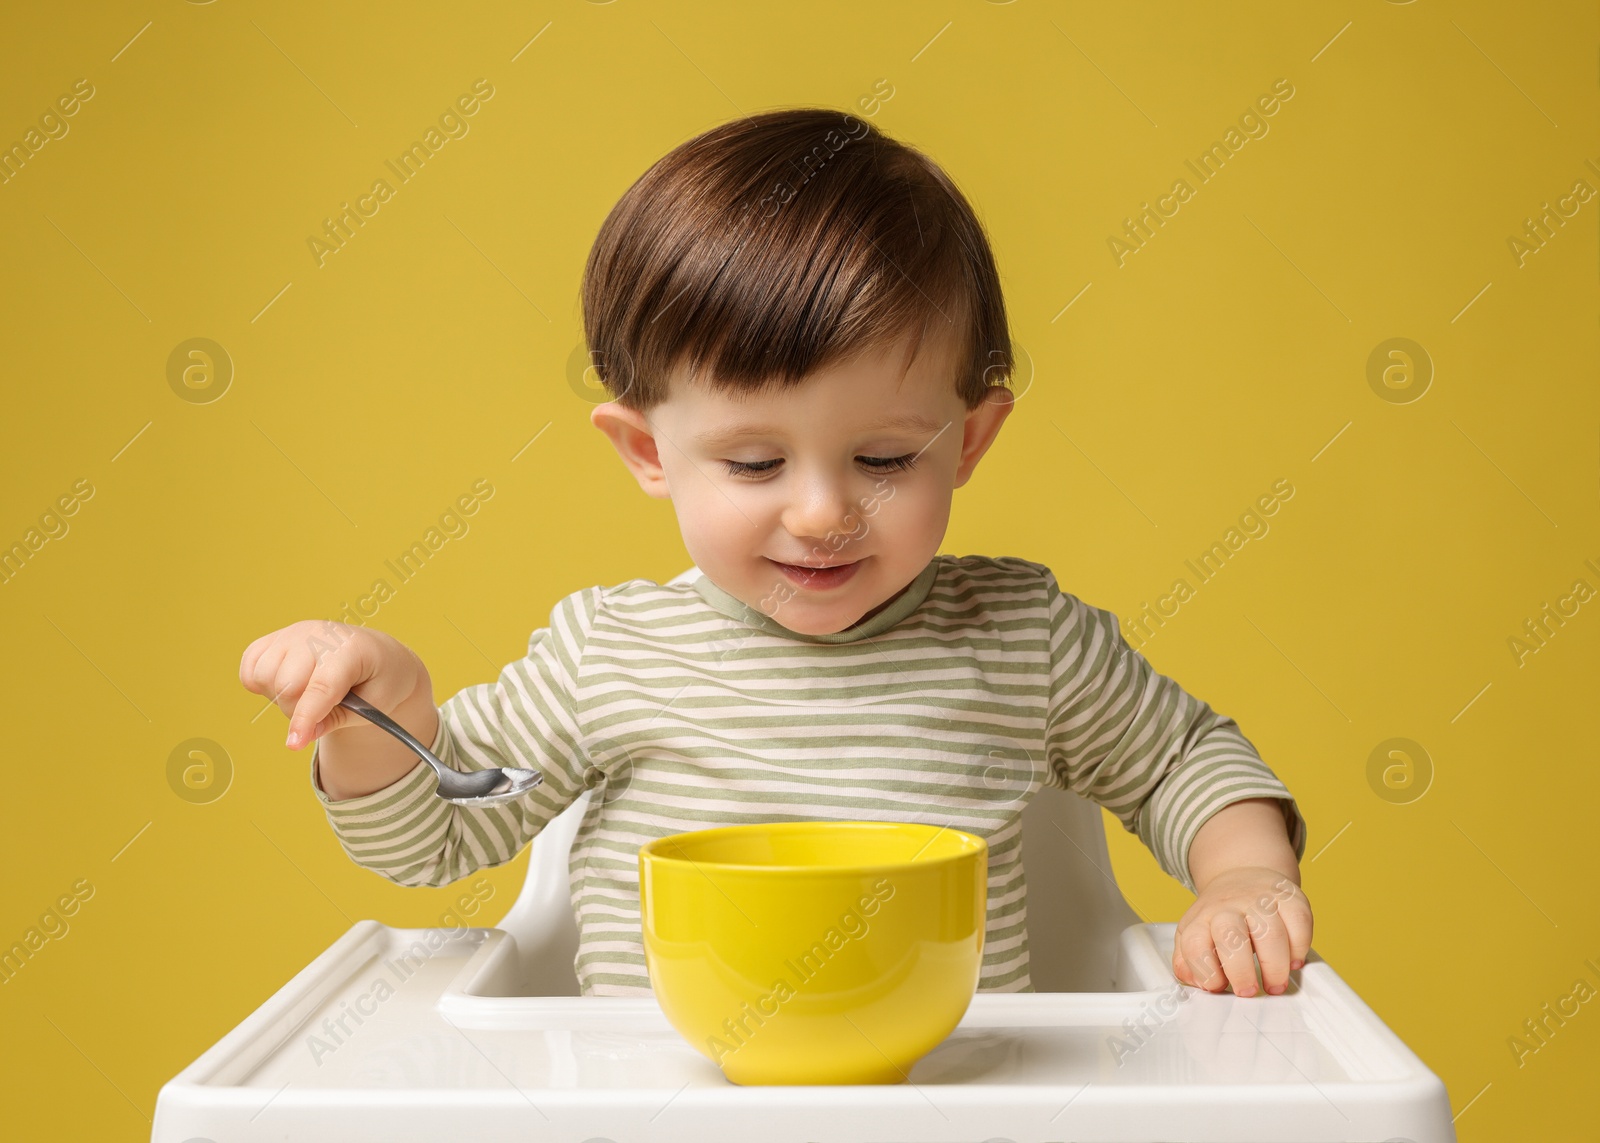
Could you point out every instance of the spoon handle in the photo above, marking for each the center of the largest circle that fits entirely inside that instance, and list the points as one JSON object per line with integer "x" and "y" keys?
{"x": 361, "y": 706}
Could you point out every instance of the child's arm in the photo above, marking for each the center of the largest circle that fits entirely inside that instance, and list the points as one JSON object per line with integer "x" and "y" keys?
{"x": 1248, "y": 885}
{"x": 1193, "y": 787}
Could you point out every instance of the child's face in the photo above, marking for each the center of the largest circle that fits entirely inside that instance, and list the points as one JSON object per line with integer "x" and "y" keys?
{"x": 818, "y": 495}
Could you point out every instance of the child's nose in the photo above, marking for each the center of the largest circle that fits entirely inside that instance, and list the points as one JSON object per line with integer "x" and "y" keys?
{"x": 821, "y": 508}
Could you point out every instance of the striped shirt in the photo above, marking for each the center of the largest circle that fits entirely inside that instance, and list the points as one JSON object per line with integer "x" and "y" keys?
{"x": 684, "y": 709}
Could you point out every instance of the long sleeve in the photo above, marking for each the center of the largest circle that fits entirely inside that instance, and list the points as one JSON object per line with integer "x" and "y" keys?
{"x": 526, "y": 718}
{"x": 1137, "y": 743}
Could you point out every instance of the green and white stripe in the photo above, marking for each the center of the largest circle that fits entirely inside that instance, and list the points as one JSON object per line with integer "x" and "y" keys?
{"x": 685, "y": 709}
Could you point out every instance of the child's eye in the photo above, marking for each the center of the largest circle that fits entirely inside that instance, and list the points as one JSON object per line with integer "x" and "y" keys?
{"x": 890, "y": 463}
{"x": 752, "y": 468}
{"x": 876, "y": 463}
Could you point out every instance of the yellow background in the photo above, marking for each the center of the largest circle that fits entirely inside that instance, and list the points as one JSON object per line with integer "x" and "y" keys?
{"x": 1172, "y": 392}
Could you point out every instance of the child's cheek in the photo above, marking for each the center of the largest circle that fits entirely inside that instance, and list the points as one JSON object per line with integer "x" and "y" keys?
{"x": 918, "y": 511}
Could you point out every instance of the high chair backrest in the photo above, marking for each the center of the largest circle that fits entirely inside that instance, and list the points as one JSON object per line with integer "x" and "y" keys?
{"x": 1075, "y": 909}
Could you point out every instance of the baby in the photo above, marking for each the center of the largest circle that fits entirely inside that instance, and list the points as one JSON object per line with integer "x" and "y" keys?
{"x": 800, "y": 326}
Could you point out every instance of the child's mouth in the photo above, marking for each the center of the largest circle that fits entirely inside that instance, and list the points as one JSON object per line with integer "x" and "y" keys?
{"x": 817, "y": 578}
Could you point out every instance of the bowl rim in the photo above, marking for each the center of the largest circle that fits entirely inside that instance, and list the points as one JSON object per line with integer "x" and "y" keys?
{"x": 649, "y": 853}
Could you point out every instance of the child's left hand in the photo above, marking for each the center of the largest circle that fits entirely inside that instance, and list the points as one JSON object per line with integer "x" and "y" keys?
{"x": 1241, "y": 910}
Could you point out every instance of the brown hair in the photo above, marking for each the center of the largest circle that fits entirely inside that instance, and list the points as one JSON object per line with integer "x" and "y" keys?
{"x": 775, "y": 245}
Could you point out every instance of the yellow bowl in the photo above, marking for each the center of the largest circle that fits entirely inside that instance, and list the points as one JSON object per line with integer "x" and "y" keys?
{"x": 829, "y": 952}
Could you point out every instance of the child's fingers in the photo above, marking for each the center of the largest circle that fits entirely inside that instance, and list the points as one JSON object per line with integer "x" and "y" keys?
{"x": 360, "y": 658}
{"x": 1296, "y": 914}
{"x": 1231, "y": 937}
{"x": 1200, "y": 957}
{"x": 1180, "y": 967}
{"x": 330, "y": 681}
{"x": 1271, "y": 940}
{"x": 247, "y": 661}
{"x": 266, "y": 669}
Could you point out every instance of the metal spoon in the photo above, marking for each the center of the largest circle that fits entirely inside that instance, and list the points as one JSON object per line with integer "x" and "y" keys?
{"x": 492, "y": 786}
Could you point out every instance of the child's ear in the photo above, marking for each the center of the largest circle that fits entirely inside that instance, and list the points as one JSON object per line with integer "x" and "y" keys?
{"x": 628, "y": 430}
{"x": 982, "y": 426}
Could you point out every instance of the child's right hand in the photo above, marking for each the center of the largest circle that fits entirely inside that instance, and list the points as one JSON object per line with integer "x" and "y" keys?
{"x": 307, "y": 667}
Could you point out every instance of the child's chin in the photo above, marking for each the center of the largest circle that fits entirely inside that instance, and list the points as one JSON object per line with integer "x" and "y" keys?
{"x": 817, "y": 620}
{"x": 814, "y": 627}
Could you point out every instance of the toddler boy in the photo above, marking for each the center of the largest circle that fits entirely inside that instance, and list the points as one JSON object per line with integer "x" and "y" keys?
{"x": 800, "y": 324}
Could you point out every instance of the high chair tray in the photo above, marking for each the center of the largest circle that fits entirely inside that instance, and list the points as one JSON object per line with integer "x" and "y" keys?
{"x": 405, "y": 1034}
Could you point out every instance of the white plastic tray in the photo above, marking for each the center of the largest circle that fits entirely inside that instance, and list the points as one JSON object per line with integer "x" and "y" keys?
{"x": 430, "y": 1048}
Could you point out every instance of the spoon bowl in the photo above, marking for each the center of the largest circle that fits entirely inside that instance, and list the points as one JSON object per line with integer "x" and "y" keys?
{"x": 491, "y": 786}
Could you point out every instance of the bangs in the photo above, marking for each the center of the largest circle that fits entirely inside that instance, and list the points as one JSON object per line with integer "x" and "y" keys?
{"x": 768, "y": 248}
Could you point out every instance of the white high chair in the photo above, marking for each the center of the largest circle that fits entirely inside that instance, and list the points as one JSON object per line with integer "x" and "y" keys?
{"x": 422, "y": 1034}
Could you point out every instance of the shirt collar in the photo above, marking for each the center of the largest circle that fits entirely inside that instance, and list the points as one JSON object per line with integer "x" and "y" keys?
{"x": 902, "y": 605}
